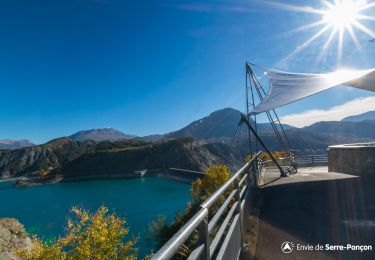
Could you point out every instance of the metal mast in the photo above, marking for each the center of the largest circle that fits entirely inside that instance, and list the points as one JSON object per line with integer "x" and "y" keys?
{"x": 254, "y": 87}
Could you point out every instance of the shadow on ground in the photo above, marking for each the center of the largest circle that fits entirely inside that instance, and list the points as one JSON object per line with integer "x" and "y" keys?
{"x": 335, "y": 212}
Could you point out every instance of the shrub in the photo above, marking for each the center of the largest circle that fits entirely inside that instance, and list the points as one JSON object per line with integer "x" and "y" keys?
{"x": 88, "y": 236}
{"x": 216, "y": 176}
{"x": 201, "y": 189}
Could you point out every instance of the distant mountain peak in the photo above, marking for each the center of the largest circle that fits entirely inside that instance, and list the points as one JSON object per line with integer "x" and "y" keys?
{"x": 370, "y": 115}
{"x": 220, "y": 123}
{"x": 100, "y": 134}
{"x": 15, "y": 144}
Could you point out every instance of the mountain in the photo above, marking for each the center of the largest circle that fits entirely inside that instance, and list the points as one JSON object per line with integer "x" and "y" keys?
{"x": 362, "y": 117}
{"x": 104, "y": 134}
{"x": 14, "y": 144}
{"x": 207, "y": 141}
{"x": 359, "y": 130}
{"x": 65, "y": 159}
{"x": 178, "y": 153}
{"x": 220, "y": 124}
{"x": 45, "y": 157}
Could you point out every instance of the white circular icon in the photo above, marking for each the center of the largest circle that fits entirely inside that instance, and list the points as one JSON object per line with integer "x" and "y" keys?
{"x": 287, "y": 247}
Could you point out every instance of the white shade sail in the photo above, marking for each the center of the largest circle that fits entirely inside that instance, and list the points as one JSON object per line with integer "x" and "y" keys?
{"x": 286, "y": 87}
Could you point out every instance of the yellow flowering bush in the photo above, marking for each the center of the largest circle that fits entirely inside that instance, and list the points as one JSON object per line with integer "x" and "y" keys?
{"x": 95, "y": 236}
{"x": 215, "y": 177}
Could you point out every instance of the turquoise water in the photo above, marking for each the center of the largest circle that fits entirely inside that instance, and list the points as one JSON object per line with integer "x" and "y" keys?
{"x": 43, "y": 209}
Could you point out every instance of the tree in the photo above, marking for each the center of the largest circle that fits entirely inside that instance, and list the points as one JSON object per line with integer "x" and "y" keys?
{"x": 216, "y": 176}
{"x": 88, "y": 236}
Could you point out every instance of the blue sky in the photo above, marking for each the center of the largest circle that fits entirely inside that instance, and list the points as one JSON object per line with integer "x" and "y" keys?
{"x": 149, "y": 67}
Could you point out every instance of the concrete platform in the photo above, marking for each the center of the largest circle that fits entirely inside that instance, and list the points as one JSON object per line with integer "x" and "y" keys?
{"x": 306, "y": 174}
{"x": 313, "y": 208}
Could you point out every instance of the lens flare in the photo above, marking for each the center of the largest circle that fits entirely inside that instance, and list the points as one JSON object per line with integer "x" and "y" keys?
{"x": 337, "y": 16}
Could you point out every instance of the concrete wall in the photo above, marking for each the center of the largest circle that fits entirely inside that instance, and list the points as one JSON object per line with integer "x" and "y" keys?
{"x": 356, "y": 159}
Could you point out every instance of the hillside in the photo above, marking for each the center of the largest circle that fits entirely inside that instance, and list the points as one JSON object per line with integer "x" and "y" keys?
{"x": 179, "y": 153}
{"x": 73, "y": 160}
{"x": 350, "y": 130}
{"x": 41, "y": 157}
{"x": 98, "y": 135}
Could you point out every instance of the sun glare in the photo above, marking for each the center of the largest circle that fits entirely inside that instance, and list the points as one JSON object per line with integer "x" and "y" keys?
{"x": 337, "y": 18}
{"x": 343, "y": 14}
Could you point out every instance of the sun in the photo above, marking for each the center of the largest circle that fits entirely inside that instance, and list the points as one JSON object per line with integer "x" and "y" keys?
{"x": 344, "y": 14}
{"x": 336, "y": 18}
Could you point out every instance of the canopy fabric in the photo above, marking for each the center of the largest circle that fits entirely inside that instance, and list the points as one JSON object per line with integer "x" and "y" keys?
{"x": 287, "y": 87}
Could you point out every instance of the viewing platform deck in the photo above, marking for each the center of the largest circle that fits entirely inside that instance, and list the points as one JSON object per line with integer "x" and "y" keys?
{"x": 312, "y": 207}
{"x": 305, "y": 174}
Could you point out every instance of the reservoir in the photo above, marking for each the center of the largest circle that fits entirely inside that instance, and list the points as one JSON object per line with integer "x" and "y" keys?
{"x": 43, "y": 210}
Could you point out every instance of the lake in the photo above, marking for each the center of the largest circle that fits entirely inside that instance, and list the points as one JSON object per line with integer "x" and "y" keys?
{"x": 43, "y": 210}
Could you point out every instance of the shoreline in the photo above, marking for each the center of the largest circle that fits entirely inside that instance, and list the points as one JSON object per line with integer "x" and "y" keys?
{"x": 171, "y": 174}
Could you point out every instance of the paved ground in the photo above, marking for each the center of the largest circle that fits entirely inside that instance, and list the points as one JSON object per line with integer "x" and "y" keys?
{"x": 307, "y": 174}
{"x": 315, "y": 207}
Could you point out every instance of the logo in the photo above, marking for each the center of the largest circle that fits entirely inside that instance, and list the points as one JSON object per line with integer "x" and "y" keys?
{"x": 287, "y": 247}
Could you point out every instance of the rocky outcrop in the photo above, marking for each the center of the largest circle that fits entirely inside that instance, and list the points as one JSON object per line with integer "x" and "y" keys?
{"x": 67, "y": 160}
{"x": 41, "y": 158}
{"x": 12, "y": 235}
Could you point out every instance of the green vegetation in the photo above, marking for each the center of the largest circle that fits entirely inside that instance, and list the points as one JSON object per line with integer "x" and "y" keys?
{"x": 95, "y": 236}
{"x": 216, "y": 176}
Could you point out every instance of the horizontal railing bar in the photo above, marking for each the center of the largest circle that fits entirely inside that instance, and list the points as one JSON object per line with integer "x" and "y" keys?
{"x": 312, "y": 161}
{"x": 315, "y": 159}
{"x": 229, "y": 235}
{"x": 309, "y": 159}
{"x": 221, "y": 210}
{"x": 222, "y": 228}
{"x": 267, "y": 161}
{"x": 243, "y": 179}
{"x": 173, "y": 244}
{"x": 243, "y": 203}
{"x": 196, "y": 252}
{"x": 311, "y": 155}
{"x": 211, "y": 200}
{"x": 243, "y": 191}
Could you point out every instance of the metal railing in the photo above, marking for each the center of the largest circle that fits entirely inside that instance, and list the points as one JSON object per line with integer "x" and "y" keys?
{"x": 219, "y": 227}
{"x": 312, "y": 160}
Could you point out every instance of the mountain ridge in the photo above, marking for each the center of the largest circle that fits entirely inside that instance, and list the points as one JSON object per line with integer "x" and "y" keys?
{"x": 100, "y": 134}
{"x": 15, "y": 144}
{"x": 370, "y": 115}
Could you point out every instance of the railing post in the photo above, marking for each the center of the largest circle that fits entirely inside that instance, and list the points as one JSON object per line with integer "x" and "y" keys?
{"x": 251, "y": 174}
{"x": 204, "y": 239}
{"x": 258, "y": 168}
{"x": 238, "y": 208}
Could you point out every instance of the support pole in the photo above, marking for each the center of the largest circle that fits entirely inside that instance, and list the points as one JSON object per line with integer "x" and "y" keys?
{"x": 244, "y": 120}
